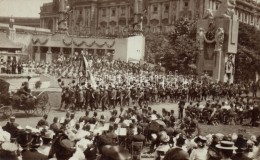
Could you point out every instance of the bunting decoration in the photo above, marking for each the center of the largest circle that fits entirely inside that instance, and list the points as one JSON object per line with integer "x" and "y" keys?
{"x": 79, "y": 44}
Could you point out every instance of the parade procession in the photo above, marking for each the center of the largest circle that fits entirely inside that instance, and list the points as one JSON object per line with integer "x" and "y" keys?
{"x": 129, "y": 80}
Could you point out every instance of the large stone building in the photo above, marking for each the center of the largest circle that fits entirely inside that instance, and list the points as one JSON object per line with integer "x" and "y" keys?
{"x": 92, "y": 17}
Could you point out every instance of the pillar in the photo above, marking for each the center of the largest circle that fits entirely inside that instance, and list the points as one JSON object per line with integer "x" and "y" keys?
{"x": 217, "y": 69}
{"x": 95, "y": 52}
{"x": 72, "y": 51}
{"x": 61, "y": 50}
{"x": 38, "y": 54}
{"x": 48, "y": 55}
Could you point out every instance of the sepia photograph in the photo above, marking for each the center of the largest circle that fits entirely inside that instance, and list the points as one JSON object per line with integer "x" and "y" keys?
{"x": 129, "y": 79}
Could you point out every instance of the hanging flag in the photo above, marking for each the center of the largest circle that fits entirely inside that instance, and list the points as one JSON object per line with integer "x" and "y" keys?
{"x": 87, "y": 77}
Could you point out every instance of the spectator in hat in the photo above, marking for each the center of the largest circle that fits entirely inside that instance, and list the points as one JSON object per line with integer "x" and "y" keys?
{"x": 4, "y": 136}
{"x": 114, "y": 153}
{"x": 226, "y": 149}
{"x": 213, "y": 150}
{"x": 62, "y": 147}
{"x": 11, "y": 127}
{"x": 163, "y": 145}
{"x": 85, "y": 118}
{"x": 199, "y": 153}
{"x": 47, "y": 136}
{"x": 111, "y": 134}
{"x": 180, "y": 142}
{"x": 176, "y": 154}
{"x": 139, "y": 137}
{"x": 241, "y": 154}
{"x": 33, "y": 153}
{"x": 55, "y": 126}
{"x": 8, "y": 151}
{"x": 24, "y": 139}
{"x": 43, "y": 122}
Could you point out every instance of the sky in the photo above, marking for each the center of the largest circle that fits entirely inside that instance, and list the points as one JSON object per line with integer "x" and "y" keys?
{"x": 21, "y": 8}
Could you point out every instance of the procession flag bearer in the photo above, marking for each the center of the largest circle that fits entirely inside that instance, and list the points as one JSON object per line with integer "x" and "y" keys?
{"x": 87, "y": 77}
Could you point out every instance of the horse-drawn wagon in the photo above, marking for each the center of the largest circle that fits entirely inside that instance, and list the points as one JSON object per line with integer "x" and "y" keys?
{"x": 36, "y": 103}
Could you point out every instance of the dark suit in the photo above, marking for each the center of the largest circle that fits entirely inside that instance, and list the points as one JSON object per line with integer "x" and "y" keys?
{"x": 55, "y": 127}
{"x": 33, "y": 154}
{"x": 240, "y": 156}
{"x": 12, "y": 129}
{"x": 42, "y": 123}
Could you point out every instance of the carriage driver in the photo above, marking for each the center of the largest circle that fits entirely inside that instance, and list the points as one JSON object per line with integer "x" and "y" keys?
{"x": 24, "y": 91}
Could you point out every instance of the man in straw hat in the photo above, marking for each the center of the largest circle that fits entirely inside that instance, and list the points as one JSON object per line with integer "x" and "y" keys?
{"x": 226, "y": 149}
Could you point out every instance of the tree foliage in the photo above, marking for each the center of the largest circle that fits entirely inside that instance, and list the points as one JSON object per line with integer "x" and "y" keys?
{"x": 247, "y": 58}
{"x": 175, "y": 50}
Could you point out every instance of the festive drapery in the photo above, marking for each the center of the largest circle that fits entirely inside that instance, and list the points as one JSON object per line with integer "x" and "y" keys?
{"x": 79, "y": 44}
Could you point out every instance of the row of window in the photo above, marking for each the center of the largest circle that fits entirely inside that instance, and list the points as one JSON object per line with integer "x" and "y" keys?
{"x": 123, "y": 10}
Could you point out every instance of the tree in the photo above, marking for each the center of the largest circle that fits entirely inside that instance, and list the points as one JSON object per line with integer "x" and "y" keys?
{"x": 247, "y": 57}
{"x": 175, "y": 50}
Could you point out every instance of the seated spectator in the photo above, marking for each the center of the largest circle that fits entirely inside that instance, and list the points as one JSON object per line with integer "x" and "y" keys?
{"x": 226, "y": 149}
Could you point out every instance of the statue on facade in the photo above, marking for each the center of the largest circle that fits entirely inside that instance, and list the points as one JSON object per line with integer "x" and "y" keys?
{"x": 219, "y": 39}
{"x": 64, "y": 16}
{"x": 229, "y": 67}
{"x": 225, "y": 10}
{"x": 11, "y": 29}
{"x": 200, "y": 38}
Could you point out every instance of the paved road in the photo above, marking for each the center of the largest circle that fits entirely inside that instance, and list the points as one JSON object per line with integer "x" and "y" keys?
{"x": 23, "y": 120}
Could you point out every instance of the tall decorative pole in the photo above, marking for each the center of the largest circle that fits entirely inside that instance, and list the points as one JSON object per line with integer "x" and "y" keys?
{"x": 138, "y": 16}
{"x": 64, "y": 11}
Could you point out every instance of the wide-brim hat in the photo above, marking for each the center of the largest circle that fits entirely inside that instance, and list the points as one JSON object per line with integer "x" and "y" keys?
{"x": 153, "y": 117}
{"x": 7, "y": 146}
{"x": 164, "y": 137}
{"x": 226, "y": 145}
{"x": 115, "y": 152}
{"x": 200, "y": 139}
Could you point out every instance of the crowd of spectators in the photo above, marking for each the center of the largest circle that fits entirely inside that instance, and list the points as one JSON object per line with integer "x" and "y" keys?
{"x": 131, "y": 133}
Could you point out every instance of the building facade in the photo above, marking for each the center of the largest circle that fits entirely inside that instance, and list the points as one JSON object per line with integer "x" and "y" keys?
{"x": 105, "y": 17}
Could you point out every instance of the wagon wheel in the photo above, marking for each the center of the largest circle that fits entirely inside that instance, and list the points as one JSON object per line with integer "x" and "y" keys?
{"x": 42, "y": 106}
{"x": 29, "y": 111}
{"x": 6, "y": 111}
